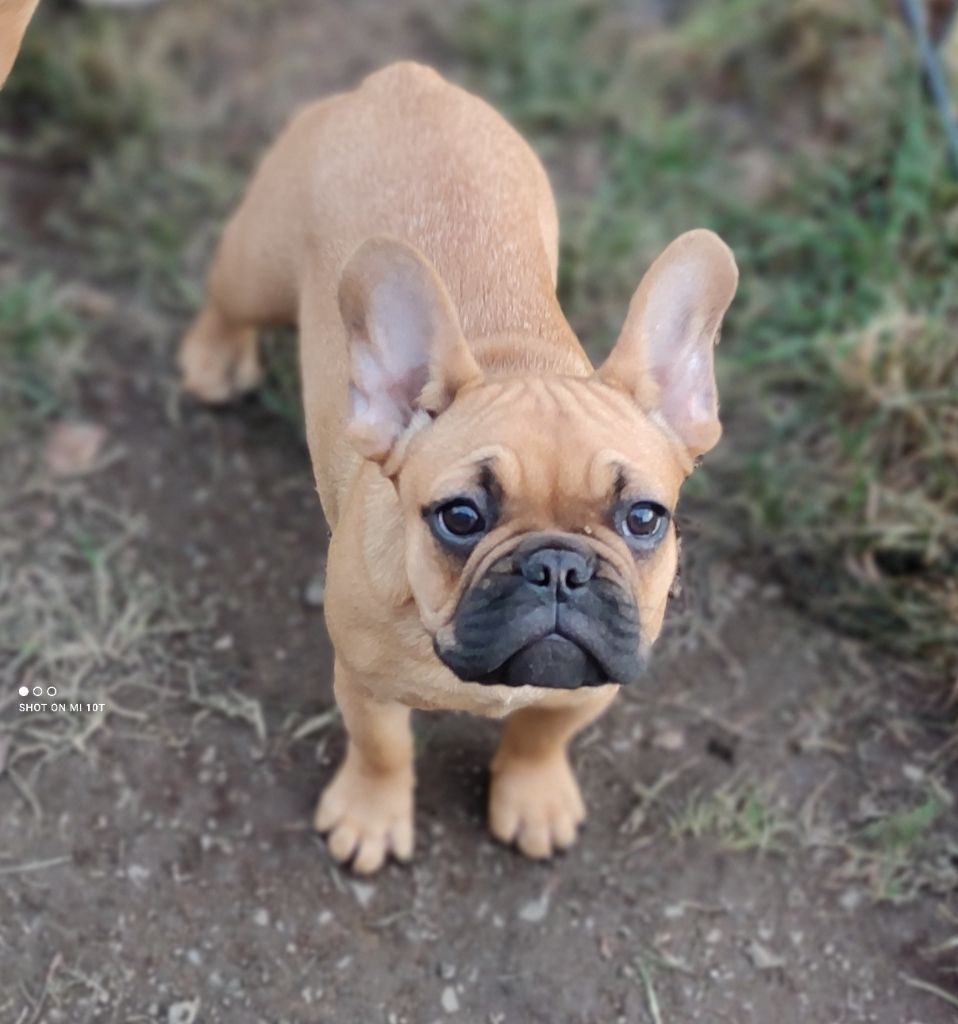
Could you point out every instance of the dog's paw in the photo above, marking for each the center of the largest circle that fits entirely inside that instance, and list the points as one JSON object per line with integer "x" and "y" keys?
{"x": 366, "y": 818}
{"x": 535, "y": 803}
{"x": 216, "y": 364}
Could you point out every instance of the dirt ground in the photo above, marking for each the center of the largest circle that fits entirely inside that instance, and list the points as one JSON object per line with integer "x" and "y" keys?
{"x": 771, "y": 836}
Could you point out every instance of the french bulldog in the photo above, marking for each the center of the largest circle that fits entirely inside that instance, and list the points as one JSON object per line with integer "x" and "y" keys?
{"x": 502, "y": 513}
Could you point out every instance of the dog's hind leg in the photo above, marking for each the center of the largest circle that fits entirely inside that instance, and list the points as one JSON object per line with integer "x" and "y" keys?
{"x": 252, "y": 283}
{"x": 219, "y": 359}
{"x": 250, "y": 286}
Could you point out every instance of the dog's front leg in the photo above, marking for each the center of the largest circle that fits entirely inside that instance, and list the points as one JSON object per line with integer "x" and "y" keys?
{"x": 534, "y": 798}
{"x": 367, "y": 810}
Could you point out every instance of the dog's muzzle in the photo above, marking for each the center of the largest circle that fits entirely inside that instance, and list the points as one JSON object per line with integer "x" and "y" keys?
{"x": 544, "y": 615}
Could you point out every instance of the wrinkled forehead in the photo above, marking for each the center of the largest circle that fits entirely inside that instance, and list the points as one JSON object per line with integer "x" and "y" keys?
{"x": 557, "y": 439}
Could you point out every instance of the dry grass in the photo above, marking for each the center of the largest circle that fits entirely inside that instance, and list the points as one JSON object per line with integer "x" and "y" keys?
{"x": 79, "y": 615}
{"x": 42, "y": 348}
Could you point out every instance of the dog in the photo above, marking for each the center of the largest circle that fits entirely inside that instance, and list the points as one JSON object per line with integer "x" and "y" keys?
{"x": 502, "y": 513}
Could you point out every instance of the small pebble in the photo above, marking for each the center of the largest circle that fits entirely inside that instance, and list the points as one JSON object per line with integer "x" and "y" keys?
{"x": 183, "y": 1013}
{"x": 670, "y": 740}
{"x": 535, "y": 910}
{"x": 450, "y": 1001}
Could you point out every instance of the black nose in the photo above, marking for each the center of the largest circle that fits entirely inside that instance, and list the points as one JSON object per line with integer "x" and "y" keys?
{"x": 557, "y": 569}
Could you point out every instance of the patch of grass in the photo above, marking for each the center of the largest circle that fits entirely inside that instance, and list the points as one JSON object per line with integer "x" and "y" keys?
{"x": 902, "y": 853}
{"x": 145, "y": 219}
{"x": 80, "y": 615}
{"x": 41, "y": 347}
{"x": 899, "y": 832}
{"x": 141, "y": 183}
{"x": 76, "y": 92}
{"x": 800, "y": 133}
{"x": 739, "y": 816}
{"x": 80, "y": 611}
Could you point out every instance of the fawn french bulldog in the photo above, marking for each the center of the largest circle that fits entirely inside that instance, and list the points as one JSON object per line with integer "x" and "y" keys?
{"x": 501, "y": 512}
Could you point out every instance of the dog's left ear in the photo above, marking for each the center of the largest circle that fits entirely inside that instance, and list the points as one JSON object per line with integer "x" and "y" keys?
{"x": 407, "y": 352}
{"x": 664, "y": 354}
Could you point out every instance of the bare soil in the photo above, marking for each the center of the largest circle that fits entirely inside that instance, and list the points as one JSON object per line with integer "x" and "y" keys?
{"x": 756, "y": 851}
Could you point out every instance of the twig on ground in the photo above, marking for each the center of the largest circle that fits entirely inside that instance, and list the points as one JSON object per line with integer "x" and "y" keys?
{"x": 927, "y": 986}
{"x": 42, "y": 998}
{"x": 30, "y": 866}
{"x": 650, "y": 995}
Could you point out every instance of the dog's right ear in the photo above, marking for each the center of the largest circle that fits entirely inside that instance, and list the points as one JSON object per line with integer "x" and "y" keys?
{"x": 407, "y": 352}
{"x": 663, "y": 357}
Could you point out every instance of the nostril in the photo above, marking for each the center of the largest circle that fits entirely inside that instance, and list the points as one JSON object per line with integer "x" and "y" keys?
{"x": 537, "y": 572}
{"x": 539, "y": 575}
{"x": 574, "y": 578}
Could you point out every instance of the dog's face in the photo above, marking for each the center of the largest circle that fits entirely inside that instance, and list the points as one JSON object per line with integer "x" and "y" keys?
{"x": 538, "y": 509}
{"x": 540, "y": 543}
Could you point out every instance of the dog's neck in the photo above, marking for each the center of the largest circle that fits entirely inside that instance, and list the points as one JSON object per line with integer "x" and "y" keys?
{"x": 513, "y": 353}
{"x": 509, "y": 310}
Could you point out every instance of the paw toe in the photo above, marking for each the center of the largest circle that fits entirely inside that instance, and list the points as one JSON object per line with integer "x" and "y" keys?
{"x": 402, "y": 840}
{"x": 563, "y": 831}
{"x": 535, "y": 840}
{"x": 370, "y": 855}
{"x": 342, "y": 841}
{"x": 503, "y": 820}
{"x": 327, "y": 813}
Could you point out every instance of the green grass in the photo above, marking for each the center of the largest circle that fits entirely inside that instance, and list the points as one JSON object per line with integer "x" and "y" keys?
{"x": 800, "y": 132}
{"x": 40, "y": 348}
{"x": 141, "y": 188}
{"x": 739, "y": 817}
{"x": 143, "y": 184}
{"x": 901, "y": 852}
{"x": 76, "y": 93}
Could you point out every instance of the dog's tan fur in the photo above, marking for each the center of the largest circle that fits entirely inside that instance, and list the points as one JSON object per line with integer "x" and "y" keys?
{"x": 404, "y": 221}
{"x": 15, "y": 15}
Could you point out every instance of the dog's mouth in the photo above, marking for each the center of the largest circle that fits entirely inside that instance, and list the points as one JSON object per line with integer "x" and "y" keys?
{"x": 554, "y": 661}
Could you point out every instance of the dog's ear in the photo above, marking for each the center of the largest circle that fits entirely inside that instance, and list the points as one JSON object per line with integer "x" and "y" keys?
{"x": 407, "y": 352}
{"x": 664, "y": 354}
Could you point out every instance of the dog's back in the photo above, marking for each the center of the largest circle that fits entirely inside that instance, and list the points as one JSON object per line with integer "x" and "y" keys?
{"x": 410, "y": 155}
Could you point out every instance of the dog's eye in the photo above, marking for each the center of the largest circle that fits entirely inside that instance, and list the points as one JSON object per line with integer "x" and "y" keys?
{"x": 643, "y": 522}
{"x": 460, "y": 519}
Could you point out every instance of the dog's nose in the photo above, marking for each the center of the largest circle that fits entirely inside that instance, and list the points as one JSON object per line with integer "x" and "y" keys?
{"x": 557, "y": 569}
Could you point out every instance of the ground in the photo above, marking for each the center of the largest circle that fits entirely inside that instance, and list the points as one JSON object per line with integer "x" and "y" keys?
{"x": 770, "y": 838}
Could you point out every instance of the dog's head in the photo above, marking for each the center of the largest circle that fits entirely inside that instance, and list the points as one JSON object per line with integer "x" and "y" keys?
{"x": 538, "y": 508}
